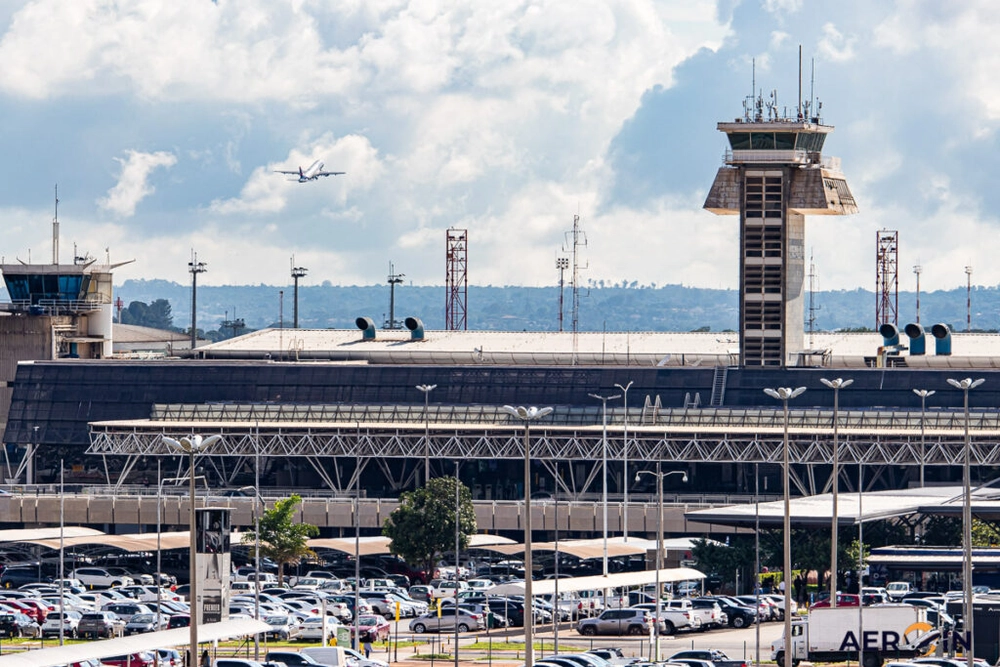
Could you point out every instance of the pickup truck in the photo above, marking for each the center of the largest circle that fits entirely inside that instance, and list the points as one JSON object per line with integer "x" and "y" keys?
{"x": 718, "y": 658}
{"x": 672, "y": 620}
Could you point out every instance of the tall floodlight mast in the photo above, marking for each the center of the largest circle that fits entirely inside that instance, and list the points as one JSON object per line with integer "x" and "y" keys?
{"x": 456, "y": 280}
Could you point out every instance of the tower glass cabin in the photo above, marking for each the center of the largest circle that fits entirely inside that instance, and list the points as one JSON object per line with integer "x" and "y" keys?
{"x": 774, "y": 175}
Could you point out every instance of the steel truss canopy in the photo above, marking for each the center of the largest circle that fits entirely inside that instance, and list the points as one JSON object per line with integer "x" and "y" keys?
{"x": 877, "y": 505}
{"x": 871, "y": 437}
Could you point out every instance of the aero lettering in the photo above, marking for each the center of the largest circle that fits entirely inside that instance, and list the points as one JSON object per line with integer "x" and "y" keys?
{"x": 873, "y": 640}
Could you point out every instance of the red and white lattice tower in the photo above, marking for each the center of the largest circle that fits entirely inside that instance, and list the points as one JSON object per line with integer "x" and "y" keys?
{"x": 456, "y": 279}
{"x": 886, "y": 278}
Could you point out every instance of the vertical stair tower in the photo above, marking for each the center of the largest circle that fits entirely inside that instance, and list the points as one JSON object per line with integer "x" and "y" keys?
{"x": 774, "y": 175}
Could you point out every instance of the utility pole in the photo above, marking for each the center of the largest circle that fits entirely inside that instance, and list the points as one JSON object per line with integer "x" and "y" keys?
{"x": 394, "y": 279}
{"x": 195, "y": 267}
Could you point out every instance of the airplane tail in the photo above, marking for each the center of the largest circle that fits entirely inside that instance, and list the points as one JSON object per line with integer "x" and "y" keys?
{"x": 301, "y": 175}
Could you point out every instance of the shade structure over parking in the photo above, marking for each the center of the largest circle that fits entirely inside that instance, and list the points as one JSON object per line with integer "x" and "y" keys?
{"x": 599, "y": 582}
{"x": 63, "y": 655}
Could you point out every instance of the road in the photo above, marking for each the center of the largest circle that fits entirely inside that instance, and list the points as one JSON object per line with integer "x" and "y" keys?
{"x": 737, "y": 644}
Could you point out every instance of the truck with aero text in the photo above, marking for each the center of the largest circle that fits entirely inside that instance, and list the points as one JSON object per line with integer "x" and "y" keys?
{"x": 879, "y": 633}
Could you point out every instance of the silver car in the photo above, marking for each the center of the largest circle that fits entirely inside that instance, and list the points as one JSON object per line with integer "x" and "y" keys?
{"x": 430, "y": 622}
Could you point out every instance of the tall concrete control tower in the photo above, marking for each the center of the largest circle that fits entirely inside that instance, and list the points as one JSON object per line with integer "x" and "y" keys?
{"x": 775, "y": 174}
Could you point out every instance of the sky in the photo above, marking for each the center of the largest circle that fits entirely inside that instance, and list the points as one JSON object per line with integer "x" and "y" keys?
{"x": 163, "y": 122}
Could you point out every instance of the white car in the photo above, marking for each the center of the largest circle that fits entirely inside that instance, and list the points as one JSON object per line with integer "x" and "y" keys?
{"x": 312, "y": 628}
{"x": 69, "y": 620}
{"x": 99, "y": 577}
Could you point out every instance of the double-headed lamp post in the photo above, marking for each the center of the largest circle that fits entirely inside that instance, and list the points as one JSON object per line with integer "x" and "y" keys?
{"x": 624, "y": 390}
{"x": 659, "y": 543}
{"x": 836, "y": 385}
{"x": 192, "y": 445}
{"x": 966, "y": 385}
{"x": 427, "y": 389}
{"x": 604, "y": 467}
{"x": 527, "y": 415}
{"x": 785, "y": 394}
{"x": 923, "y": 394}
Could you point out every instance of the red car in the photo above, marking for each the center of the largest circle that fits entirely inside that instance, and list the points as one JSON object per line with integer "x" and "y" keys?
{"x": 141, "y": 659}
{"x": 373, "y": 628}
{"x": 843, "y": 600}
{"x": 31, "y": 611}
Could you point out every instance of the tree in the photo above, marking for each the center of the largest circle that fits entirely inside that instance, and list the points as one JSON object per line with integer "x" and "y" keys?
{"x": 282, "y": 537}
{"x": 423, "y": 526}
{"x": 156, "y": 314}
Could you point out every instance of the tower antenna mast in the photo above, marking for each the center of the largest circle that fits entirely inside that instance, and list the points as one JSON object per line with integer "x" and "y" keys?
{"x": 55, "y": 230}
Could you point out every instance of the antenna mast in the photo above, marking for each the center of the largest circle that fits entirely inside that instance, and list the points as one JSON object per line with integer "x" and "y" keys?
{"x": 800, "y": 87}
{"x": 812, "y": 294}
{"x": 55, "y": 230}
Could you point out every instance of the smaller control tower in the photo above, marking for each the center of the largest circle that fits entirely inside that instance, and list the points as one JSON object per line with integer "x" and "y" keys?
{"x": 774, "y": 175}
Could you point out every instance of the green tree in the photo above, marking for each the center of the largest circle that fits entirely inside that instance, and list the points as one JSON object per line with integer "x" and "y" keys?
{"x": 156, "y": 314}
{"x": 282, "y": 537}
{"x": 423, "y": 526}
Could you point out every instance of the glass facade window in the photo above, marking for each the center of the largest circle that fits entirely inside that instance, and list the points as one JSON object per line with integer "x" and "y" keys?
{"x": 762, "y": 140}
{"x": 739, "y": 141}
{"x": 50, "y": 287}
{"x": 810, "y": 141}
{"x": 784, "y": 141}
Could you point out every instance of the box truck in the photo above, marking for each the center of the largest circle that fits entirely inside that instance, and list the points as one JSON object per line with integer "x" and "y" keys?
{"x": 884, "y": 632}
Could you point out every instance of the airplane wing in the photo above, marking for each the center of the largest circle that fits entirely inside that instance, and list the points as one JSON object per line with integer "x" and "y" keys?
{"x": 330, "y": 173}
{"x": 279, "y": 171}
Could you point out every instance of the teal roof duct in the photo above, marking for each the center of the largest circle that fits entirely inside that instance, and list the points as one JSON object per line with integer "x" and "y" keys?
{"x": 918, "y": 343}
{"x": 942, "y": 346}
{"x": 889, "y": 333}
{"x": 416, "y": 328}
{"x": 367, "y": 327}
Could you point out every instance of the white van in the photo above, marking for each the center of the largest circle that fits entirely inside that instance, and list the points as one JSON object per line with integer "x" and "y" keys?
{"x": 337, "y": 656}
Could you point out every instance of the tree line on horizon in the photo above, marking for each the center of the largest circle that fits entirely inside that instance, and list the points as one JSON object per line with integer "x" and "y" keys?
{"x": 615, "y": 309}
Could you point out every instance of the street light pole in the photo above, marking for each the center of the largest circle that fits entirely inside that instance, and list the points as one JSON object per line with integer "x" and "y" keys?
{"x": 427, "y": 389}
{"x": 967, "y": 385}
{"x": 659, "y": 544}
{"x": 625, "y": 460}
{"x": 785, "y": 394}
{"x": 836, "y": 385}
{"x": 604, "y": 466}
{"x": 527, "y": 415}
{"x": 923, "y": 394}
{"x": 191, "y": 446}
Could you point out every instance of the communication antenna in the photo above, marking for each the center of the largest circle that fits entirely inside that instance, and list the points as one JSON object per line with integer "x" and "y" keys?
{"x": 578, "y": 238}
{"x": 800, "y": 94}
{"x": 55, "y": 230}
{"x": 812, "y": 83}
{"x": 812, "y": 299}
{"x": 562, "y": 263}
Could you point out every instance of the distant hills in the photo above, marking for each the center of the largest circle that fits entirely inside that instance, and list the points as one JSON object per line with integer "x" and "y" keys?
{"x": 602, "y": 307}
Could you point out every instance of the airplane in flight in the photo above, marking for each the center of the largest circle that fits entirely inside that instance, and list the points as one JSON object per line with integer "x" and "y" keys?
{"x": 311, "y": 173}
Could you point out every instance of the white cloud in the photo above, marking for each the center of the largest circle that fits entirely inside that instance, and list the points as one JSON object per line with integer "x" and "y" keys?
{"x": 133, "y": 186}
{"x": 836, "y": 46}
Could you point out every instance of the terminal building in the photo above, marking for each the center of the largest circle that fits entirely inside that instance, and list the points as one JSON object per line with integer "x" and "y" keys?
{"x": 338, "y": 413}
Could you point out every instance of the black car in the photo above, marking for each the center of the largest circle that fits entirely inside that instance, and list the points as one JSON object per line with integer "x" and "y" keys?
{"x": 15, "y": 577}
{"x": 9, "y": 627}
{"x": 740, "y": 615}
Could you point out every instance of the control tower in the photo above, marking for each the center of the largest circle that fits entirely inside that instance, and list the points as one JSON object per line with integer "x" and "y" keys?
{"x": 774, "y": 175}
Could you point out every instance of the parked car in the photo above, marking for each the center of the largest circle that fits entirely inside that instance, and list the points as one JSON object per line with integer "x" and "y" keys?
{"x": 142, "y": 623}
{"x": 170, "y": 657}
{"x": 739, "y": 615}
{"x": 312, "y": 628}
{"x": 283, "y": 626}
{"x": 126, "y": 610}
{"x": 843, "y": 600}
{"x": 99, "y": 577}
{"x": 897, "y": 589}
{"x": 9, "y": 625}
{"x": 68, "y": 620}
{"x": 617, "y": 622}
{"x": 466, "y": 621}
{"x": 140, "y": 659}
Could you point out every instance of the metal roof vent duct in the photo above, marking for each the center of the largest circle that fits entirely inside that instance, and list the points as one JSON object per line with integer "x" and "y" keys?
{"x": 367, "y": 327}
{"x": 918, "y": 344}
{"x": 416, "y": 328}
{"x": 889, "y": 333}
{"x": 942, "y": 345}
